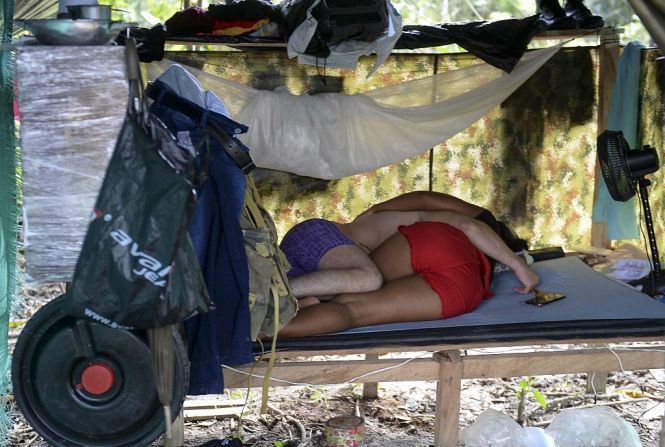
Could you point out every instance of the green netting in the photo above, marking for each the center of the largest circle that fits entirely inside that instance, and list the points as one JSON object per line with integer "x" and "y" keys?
{"x": 8, "y": 208}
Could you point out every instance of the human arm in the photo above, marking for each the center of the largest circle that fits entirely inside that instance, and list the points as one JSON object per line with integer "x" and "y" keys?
{"x": 488, "y": 242}
{"x": 424, "y": 201}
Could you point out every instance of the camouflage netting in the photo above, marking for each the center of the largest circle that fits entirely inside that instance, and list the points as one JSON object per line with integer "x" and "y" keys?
{"x": 8, "y": 208}
{"x": 531, "y": 160}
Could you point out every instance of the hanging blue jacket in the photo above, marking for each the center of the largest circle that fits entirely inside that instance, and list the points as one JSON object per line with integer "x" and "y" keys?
{"x": 221, "y": 336}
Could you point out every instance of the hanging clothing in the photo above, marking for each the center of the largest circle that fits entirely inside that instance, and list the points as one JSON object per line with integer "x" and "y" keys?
{"x": 345, "y": 53}
{"x": 222, "y": 335}
{"x": 621, "y": 217}
{"x": 501, "y": 43}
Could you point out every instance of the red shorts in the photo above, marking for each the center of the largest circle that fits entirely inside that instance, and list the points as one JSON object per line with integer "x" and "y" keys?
{"x": 452, "y": 266}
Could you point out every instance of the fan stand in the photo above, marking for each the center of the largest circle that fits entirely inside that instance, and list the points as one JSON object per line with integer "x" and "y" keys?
{"x": 654, "y": 283}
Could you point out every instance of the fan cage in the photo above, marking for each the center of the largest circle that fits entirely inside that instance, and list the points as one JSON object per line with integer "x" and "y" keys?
{"x": 612, "y": 150}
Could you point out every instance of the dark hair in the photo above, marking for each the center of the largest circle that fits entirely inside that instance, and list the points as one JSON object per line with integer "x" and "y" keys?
{"x": 507, "y": 235}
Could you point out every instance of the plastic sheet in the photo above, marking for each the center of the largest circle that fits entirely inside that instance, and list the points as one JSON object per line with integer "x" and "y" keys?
{"x": 333, "y": 135}
{"x": 494, "y": 429}
{"x": 72, "y": 102}
{"x": 592, "y": 427}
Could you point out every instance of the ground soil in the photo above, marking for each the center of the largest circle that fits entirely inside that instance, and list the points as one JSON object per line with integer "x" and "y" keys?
{"x": 403, "y": 415}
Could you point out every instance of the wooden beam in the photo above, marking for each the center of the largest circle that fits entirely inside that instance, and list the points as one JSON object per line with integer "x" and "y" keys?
{"x": 178, "y": 433}
{"x": 608, "y": 57}
{"x": 190, "y": 404}
{"x": 202, "y": 414}
{"x": 475, "y": 366}
{"x": 532, "y": 342}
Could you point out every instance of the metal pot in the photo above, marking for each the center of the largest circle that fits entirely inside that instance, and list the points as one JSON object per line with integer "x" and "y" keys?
{"x": 73, "y": 32}
{"x": 90, "y": 12}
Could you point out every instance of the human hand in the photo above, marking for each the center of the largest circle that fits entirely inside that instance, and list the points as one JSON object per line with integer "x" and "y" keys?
{"x": 527, "y": 277}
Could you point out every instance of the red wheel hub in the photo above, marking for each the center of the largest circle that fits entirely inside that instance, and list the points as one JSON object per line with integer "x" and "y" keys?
{"x": 97, "y": 379}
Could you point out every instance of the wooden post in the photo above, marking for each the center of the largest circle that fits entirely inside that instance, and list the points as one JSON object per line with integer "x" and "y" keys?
{"x": 448, "y": 395}
{"x": 608, "y": 57}
{"x": 371, "y": 389}
{"x": 178, "y": 427}
{"x": 596, "y": 382}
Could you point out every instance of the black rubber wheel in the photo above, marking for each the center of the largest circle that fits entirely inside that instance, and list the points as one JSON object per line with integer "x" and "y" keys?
{"x": 79, "y": 383}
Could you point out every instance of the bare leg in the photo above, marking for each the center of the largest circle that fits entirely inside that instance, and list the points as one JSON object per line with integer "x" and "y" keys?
{"x": 409, "y": 298}
{"x": 308, "y": 301}
{"x": 343, "y": 269}
{"x": 393, "y": 257}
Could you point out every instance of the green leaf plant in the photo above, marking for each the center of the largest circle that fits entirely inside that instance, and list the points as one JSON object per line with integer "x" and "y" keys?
{"x": 526, "y": 389}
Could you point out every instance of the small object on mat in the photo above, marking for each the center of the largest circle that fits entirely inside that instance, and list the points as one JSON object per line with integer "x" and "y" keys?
{"x": 343, "y": 431}
{"x": 543, "y": 254}
{"x": 541, "y": 297}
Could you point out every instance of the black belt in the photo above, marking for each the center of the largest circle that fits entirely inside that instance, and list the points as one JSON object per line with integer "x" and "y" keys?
{"x": 236, "y": 150}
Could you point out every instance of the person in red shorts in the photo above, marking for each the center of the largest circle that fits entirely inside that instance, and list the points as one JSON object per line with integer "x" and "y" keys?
{"x": 430, "y": 249}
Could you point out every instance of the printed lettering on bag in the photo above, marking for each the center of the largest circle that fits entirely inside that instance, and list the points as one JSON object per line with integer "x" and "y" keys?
{"x": 151, "y": 268}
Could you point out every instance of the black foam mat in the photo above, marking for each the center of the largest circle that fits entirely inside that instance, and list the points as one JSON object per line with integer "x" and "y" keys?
{"x": 595, "y": 307}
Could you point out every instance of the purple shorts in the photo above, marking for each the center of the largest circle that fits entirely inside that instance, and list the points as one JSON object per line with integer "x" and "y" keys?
{"x": 306, "y": 243}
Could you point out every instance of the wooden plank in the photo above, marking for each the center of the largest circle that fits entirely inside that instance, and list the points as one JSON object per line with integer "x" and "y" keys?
{"x": 565, "y": 362}
{"x": 332, "y": 372}
{"x": 461, "y": 346}
{"x": 212, "y": 403}
{"x": 572, "y": 33}
{"x": 448, "y": 394}
{"x": 202, "y": 414}
{"x": 475, "y": 366}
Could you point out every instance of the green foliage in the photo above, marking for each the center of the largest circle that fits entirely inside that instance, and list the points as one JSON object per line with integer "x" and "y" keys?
{"x": 238, "y": 393}
{"x": 318, "y": 395}
{"x": 445, "y": 11}
{"x": 146, "y": 12}
{"x": 278, "y": 444}
{"x": 526, "y": 387}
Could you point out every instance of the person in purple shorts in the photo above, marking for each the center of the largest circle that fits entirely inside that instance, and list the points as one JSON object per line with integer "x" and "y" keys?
{"x": 325, "y": 261}
{"x": 330, "y": 258}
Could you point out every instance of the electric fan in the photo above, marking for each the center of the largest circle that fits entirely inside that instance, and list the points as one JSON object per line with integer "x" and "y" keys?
{"x": 624, "y": 170}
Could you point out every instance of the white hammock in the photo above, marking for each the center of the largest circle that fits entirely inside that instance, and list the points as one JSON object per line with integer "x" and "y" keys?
{"x": 333, "y": 135}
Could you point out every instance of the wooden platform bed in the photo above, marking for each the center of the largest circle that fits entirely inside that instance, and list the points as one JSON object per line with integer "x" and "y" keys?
{"x": 572, "y": 335}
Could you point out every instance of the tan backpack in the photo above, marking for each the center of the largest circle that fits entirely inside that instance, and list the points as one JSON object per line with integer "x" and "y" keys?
{"x": 270, "y": 296}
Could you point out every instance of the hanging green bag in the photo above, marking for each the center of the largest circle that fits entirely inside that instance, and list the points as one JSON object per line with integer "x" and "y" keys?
{"x": 137, "y": 268}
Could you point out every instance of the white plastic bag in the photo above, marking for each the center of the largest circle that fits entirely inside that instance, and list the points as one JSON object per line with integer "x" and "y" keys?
{"x": 536, "y": 437}
{"x": 592, "y": 427}
{"x": 494, "y": 429}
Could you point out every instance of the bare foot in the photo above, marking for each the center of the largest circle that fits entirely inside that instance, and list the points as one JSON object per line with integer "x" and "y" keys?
{"x": 308, "y": 301}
